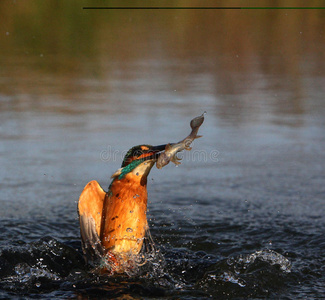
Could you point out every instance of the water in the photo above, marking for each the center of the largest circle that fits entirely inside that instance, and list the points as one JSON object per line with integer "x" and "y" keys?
{"x": 242, "y": 216}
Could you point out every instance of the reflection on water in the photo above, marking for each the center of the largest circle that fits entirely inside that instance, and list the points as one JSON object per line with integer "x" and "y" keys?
{"x": 76, "y": 85}
{"x": 243, "y": 57}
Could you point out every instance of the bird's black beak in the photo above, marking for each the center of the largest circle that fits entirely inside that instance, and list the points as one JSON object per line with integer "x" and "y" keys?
{"x": 158, "y": 148}
{"x": 155, "y": 151}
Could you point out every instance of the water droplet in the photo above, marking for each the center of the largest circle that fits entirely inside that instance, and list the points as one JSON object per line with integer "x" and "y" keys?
{"x": 137, "y": 173}
{"x": 37, "y": 284}
{"x": 131, "y": 211}
{"x": 129, "y": 230}
{"x": 136, "y": 195}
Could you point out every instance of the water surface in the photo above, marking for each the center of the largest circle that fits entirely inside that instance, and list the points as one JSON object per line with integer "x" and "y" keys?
{"x": 242, "y": 216}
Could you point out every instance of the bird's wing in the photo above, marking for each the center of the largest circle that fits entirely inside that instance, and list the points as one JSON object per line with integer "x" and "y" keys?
{"x": 90, "y": 207}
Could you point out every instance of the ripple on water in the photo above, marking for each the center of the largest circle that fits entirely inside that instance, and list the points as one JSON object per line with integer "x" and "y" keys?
{"x": 49, "y": 266}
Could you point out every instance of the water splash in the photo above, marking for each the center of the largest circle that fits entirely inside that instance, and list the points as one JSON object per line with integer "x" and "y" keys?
{"x": 147, "y": 264}
{"x": 242, "y": 262}
{"x": 48, "y": 265}
{"x": 247, "y": 275}
{"x": 230, "y": 277}
{"x": 41, "y": 265}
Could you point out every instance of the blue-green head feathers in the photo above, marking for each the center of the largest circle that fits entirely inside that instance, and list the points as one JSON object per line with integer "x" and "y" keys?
{"x": 132, "y": 159}
{"x": 135, "y": 157}
{"x": 130, "y": 167}
{"x": 134, "y": 153}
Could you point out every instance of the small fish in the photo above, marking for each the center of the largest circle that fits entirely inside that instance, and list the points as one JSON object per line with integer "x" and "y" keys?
{"x": 171, "y": 150}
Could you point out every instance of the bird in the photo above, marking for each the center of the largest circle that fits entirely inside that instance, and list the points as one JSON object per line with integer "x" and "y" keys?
{"x": 114, "y": 224}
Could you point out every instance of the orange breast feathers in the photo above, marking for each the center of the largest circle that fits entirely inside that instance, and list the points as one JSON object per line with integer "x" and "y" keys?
{"x": 124, "y": 222}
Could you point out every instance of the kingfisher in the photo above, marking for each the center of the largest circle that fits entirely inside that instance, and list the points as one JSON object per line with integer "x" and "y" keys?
{"x": 113, "y": 224}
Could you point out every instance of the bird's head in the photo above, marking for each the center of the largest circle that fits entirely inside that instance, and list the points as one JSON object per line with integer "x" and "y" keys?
{"x": 139, "y": 160}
